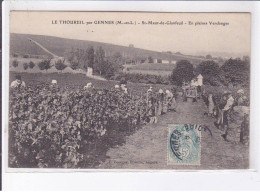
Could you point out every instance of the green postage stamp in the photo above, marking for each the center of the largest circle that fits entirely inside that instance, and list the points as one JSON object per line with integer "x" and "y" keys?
{"x": 184, "y": 144}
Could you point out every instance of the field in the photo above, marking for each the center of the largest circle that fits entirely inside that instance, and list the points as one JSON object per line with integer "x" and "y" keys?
{"x": 79, "y": 80}
{"x": 22, "y": 60}
{"x": 151, "y": 68}
{"x": 147, "y": 145}
{"x": 20, "y": 44}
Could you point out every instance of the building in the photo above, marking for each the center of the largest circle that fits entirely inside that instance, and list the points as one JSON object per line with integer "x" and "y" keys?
{"x": 197, "y": 81}
{"x": 163, "y": 61}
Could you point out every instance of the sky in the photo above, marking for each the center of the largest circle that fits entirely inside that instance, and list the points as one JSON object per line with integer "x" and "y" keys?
{"x": 188, "y": 38}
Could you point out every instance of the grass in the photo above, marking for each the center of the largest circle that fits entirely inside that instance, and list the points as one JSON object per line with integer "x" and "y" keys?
{"x": 152, "y": 69}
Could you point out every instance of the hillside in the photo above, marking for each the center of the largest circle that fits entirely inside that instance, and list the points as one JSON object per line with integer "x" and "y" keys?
{"x": 20, "y": 43}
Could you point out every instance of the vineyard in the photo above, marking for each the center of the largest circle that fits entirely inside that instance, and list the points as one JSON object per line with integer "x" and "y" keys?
{"x": 66, "y": 126}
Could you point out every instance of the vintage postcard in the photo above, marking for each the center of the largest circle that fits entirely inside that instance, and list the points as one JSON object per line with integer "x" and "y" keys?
{"x": 129, "y": 90}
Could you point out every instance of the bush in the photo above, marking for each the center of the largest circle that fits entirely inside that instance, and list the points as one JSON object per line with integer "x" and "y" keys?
{"x": 15, "y": 63}
{"x": 25, "y": 66}
{"x": 182, "y": 73}
{"x": 15, "y": 55}
{"x": 31, "y": 64}
{"x": 60, "y": 65}
{"x": 45, "y": 64}
{"x": 26, "y": 56}
{"x": 63, "y": 137}
{"x": 142, "y": 78}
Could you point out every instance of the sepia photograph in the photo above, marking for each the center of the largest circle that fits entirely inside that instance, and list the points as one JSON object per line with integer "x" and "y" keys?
{"x": 129, "y": 90}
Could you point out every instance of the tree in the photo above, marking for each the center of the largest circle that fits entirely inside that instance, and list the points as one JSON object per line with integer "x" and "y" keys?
{"x": 99, "y": 61}
{"x": 182, "y": 72}
{"x": 112, "y": 65}
{"x": 90, "y": 56}
{"x": 31, "y": 64}
{"x": 15, "y": 63}
{"x": 208, "y": 57}
{"x": 25, "y": 66}
{"x": 210, "y": 71}
{"x": 77, "y": 58}
{"x": 236, "y": 71}
{"x": 60, "y": 65}
{"x": 150, "y": 59}
{"x": 45, "y": 64}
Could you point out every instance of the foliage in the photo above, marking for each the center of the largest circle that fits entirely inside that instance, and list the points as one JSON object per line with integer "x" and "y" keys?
{"x": 15, "y": 63}
{"x": 210, "y": 71}
{"x": 45, "y": 64}
{"x": 150, "y": 59}
{"x": 64, "y": 128}
{"x": 99, "y": 61}
{"x": 25, "y": 66}
{"x": 112, "y": 65}
{"x": 60, "y": 65}
{"x": 91, "y": 56}
{"x": 208, "y": 57}
{"x": 142, "y": 78}
{"x": 31, "y": 64}
{"x": 183, "y": 72}
{"x": 78, "y": 58}
{"x": 236, "y": 71}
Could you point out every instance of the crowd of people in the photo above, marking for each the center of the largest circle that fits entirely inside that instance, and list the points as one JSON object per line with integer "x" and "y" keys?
{"x": 49, "y": 126}
{"x": 222, "y": 107}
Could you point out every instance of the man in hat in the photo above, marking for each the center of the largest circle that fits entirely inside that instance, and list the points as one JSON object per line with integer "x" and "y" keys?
{"x": 18, "y": 83}
{"x": 220, "y": 107}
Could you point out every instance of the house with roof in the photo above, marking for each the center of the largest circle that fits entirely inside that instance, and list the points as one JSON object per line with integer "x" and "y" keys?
{"x": 197, "y": 81}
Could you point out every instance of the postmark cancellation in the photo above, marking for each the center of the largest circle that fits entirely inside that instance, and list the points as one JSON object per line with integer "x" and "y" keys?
{"x": 184, "y": 144}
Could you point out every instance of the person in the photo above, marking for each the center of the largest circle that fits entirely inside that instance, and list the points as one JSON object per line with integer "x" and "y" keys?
{"x": 89, "y": 88}
{"x": 211, "y": 105}
{"x": 123, "y": 87}
{"x": 240, "y": 100}
{"x": 160, "y": 102}
{"x": 220, "y": 107}
{"x": 18, "y": 83}
{"x": 54, "y": 83}
{"x": 226, "y": 110}
{"x": 117, "y": 87}
{"x": 89, "y": 85}
{"x": 151, "y": 106}
{"x": 170, "y": 99}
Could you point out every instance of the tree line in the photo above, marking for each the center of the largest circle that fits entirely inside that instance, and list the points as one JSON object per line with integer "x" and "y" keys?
{"x": 232, "y": 73}
{"x": 102, "y": 65}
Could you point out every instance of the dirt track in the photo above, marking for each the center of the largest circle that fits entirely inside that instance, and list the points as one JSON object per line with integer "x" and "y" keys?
{"x": 147, "y": 148}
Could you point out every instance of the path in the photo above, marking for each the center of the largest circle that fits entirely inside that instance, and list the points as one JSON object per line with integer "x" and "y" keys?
{"x": 43, "y": 48}
{"x": 147, "y": 148}
{"x": 56, "y": 57}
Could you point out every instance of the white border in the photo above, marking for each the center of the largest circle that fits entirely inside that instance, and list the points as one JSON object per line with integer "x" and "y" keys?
{"x": 170, "y": 179}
